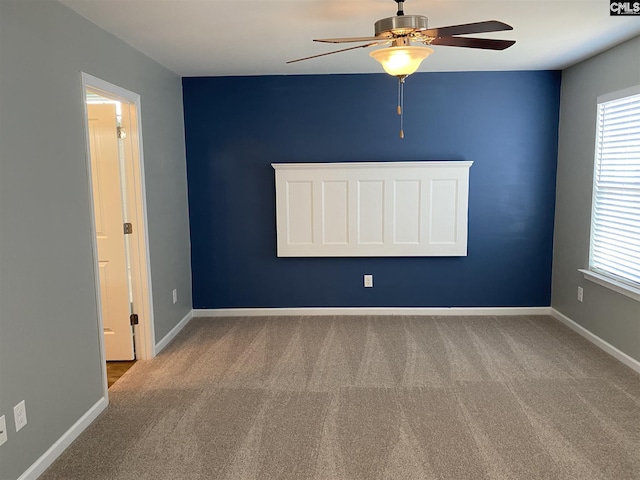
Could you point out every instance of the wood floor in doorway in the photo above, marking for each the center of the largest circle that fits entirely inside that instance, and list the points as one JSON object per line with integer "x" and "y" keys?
{"x": 116, "y": 369}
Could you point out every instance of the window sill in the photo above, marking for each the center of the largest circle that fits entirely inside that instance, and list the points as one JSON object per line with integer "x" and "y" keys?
{"x": 622, "y": 288}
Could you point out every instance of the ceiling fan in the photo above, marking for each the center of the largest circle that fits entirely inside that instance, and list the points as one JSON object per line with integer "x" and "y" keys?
{"x": 402, "y": 59}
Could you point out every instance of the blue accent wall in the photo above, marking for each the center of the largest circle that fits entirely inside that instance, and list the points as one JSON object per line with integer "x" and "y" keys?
{"x": 506, "y": 122}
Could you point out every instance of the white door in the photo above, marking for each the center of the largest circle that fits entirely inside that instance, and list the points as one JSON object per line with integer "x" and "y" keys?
{"x": 107, "y": 202}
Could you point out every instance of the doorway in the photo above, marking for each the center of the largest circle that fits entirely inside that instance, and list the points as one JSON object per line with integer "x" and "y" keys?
{"x": 121, "y": 255}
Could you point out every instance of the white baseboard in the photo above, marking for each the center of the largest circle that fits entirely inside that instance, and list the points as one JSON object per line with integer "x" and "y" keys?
{"x": 257, "y": 312}
{"x": 597, "y": 341}
{"x": 174, "y": 331}
{"x": 48, "y": 457}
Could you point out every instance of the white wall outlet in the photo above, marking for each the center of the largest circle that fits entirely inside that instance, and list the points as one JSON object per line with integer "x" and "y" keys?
{"x": 20, "y": 415}
{"x": 368, "y": 281}
{"x": 3, "y": 430}
{"x": 175, "y": 295}
{"x": 580, "y": 294}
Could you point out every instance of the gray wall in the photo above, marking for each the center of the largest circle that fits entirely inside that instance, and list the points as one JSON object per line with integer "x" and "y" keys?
{"x": 610, "y": 315}
{"x": 48, "y": 312}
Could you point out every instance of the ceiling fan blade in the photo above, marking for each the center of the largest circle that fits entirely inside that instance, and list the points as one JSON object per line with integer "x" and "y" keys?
{"x": 484, "y": 43}
{"x": 336, "y": 51}
{"x": 477, "y": 27}
{"x": 350, "y": 39}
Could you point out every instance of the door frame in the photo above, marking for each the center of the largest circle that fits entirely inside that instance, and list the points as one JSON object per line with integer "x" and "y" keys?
{"x": 144, "y": 335}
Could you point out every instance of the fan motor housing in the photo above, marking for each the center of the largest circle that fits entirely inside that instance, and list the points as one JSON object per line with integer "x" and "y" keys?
{"x": 400, "y": 25}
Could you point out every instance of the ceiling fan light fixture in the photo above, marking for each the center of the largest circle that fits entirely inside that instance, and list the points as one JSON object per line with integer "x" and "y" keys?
{"x": 401, "y": 61}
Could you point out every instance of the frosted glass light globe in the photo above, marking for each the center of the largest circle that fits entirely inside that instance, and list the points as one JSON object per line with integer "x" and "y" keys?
{"x": 401, "y": 61}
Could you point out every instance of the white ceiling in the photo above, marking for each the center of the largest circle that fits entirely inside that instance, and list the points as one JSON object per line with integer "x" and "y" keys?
{"x": 257, "y": 37}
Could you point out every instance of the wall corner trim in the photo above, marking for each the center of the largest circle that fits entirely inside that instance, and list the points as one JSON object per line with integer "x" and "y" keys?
{"x": 320, "y": 311}
{"x": 619, "y": 355}
{"x": 48, "y": 457}
{"x": 172, "y": 333}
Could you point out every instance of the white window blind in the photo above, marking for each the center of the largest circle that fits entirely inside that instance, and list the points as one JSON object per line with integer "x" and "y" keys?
{"x": 615, "y": 222}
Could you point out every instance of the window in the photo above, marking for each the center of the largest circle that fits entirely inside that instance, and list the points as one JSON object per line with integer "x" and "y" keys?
{"x": 615, "y": 219}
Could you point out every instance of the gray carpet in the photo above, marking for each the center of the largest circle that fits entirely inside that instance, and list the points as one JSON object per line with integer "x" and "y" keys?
{"x": 367, "y": 398}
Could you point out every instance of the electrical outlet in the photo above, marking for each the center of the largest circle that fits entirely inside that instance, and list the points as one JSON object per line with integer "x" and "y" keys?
{"x": 580, "y": 294}
{"x": 3, "y": 430}
{"x": 20, "y": 415}
{"x": 368, "y": 281}
{"x": 175, "y": 295}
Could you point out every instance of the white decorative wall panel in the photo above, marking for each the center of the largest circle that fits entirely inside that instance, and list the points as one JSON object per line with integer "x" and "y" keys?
{"x": 406, "y": 212}
{"x": 335, "y": 213}
{"x": 370, "y": 213}
{"x": 299, "y": 204}
{"x": 380, "y": 209}
{"x": 442, "y": 221}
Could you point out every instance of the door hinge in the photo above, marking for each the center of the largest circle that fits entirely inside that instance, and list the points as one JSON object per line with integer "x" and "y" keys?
{"x": 128, "y": 228}
{"x": 122, "y": 133}
{"x": 134, "y": 318}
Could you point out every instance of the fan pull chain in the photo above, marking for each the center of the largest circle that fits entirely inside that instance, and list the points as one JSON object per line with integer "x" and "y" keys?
{"x": 401, "y": 103}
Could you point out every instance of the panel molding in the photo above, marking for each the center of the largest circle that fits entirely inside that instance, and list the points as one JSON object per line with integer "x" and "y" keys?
{"x": 372, "y": 209}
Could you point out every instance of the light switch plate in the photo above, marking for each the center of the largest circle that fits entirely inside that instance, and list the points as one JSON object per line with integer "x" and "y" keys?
{"x": 368, "y": 281}
{"x": 3, "y": 430}
{"x": 20, "y": 415}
